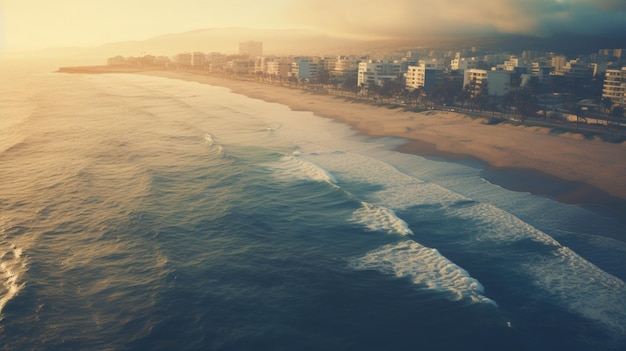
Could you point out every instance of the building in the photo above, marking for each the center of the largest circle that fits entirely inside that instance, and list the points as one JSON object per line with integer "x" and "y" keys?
{"x": 198, "y": 60}
{"x": 462, "y": 63}
{"x": 216, "y": 61}
{"x": 304, "y": 68}
{"x": 252, "y": 49}
{"x": 498, "y": 81}
{"x": 183, "y": 60}
{"x": 510, "y": 65}
{"x": 241, "y": 67}
{"x": 615, "y": 86}
{"x": 541, "y": 71}
{"x": 279, "y": 67}
{"x": 345, "y": 67}
{"x": 426, "y": 76}
{"x": 558, "y": 62}
{"x": 377, "y": 72}
{"x": 577, "y": 70}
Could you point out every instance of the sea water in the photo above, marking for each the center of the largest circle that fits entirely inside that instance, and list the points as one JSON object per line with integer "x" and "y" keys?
{"x": 144, "y": 213}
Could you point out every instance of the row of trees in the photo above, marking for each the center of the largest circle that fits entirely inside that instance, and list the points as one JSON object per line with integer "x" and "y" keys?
{"x": 521, "y": 101}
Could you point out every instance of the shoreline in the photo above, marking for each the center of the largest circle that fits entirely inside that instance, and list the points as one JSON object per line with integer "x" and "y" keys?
{"x": 566, "y": 167}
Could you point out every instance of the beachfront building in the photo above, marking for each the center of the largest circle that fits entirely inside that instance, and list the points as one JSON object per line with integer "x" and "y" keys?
{"x": 378, "y": 72}
{"x": 216, "y": 61}
{"x": 198, "y": 59}
{"x": 615, "y": 86}
{"x": 278, "y": 66}
{"x": 426, "y": 76}
{"x": 252, "y": 49}
{"x": 240, "y": 66}
{"x": 183, "y": 60}
{"x": 116, "y": 61}
{"x": 345, "y": 67}
{"x": 304, "y": 68}
{"x": 498, "y": 81}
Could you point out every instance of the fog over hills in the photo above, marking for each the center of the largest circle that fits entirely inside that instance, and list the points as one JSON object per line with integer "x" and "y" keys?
{"x": 314, "y": 42}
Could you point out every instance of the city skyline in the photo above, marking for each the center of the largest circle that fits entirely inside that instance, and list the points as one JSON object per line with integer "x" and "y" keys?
{"x": 36, "y": 25}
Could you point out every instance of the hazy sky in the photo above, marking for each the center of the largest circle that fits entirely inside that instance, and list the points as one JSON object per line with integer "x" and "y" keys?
{"x": 37, "y": 24}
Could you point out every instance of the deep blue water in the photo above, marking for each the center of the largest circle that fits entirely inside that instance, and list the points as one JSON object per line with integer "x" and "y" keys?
{"x": 141, "y": 213}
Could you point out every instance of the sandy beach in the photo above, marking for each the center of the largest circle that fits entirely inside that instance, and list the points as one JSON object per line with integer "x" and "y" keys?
{"x": 592, "y": 165}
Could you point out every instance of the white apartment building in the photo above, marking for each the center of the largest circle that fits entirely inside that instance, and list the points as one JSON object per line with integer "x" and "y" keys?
{"x": 377, "y": 72}
{"x": 426, "y": 76}
{"x": 615, "y": 86}
{"x": 498, "y": 81}
{"x": 462, "y": 63}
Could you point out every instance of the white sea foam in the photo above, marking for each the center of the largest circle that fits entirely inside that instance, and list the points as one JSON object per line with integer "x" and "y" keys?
{"x": 12, "y": 266}
{"x": 291, "y": 167}
{"x": 209, "y": 139}
{"x": 570, "y": 280}
{"x": 581, "y": 287}
{"x": 379, "y": 218}
{"x": 499, "y": 225}
{"x": 397, "y": 189}
{"x": 425, "y": 267}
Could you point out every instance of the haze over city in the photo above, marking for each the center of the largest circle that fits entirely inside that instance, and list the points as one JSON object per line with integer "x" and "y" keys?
{"x": 28, "y": 25}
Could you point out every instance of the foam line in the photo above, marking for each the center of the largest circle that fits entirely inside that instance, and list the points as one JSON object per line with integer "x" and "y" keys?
{"x": 581, "y": 287}
{"x": 377, "y": 218}
{"x": 425, "y": 267}
{"x": 293, "y": 167}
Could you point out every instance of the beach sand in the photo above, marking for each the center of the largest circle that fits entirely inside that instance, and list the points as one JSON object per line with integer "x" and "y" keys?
{"x": 593, "y": 169}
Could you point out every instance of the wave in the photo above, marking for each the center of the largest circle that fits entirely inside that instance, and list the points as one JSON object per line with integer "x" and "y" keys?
{"x": 292, "y": 167}
{"x": 425, "y": 267}
{"x": 378, "y": 218}
{"x": 12, "y": 265}
{"x": 580, "y": 286}
{"x": 559, "y": 274}
{"x": 568, "y": 279}
{"x": 209, "y": 139}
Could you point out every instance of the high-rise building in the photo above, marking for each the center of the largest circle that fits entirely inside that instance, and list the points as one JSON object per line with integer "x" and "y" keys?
{"x": 252, "y": 49}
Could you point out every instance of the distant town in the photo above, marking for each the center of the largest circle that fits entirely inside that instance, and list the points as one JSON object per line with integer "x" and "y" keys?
{"x": 588, "y": 90}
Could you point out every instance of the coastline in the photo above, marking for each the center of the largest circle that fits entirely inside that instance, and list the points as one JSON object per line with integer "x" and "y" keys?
{"x": 588, "y": 171}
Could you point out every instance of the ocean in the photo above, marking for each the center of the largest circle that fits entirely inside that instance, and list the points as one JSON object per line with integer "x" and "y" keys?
{"x": 144, "y": 213}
